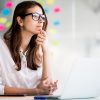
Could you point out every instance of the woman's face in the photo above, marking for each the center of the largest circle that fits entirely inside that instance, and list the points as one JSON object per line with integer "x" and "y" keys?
{"x": 33, "y": 25}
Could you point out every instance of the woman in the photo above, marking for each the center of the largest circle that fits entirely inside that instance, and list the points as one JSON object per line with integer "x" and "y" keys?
{"x": 24, "y": 67}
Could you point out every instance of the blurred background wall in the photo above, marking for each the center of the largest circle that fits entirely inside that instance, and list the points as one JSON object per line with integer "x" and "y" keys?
{"x": 74, "y": 30}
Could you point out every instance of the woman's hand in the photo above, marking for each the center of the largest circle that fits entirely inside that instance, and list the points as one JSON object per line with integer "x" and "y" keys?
{"x": 43, "y": 89}
{"x": 48, "y": 85}
{"x": 52, "y": 84}
{"x": 42, "y": 40}
{"x": 41, "y": 37}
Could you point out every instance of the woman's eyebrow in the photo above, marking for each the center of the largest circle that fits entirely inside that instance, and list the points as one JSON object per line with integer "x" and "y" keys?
{"x": 39, "y": 13}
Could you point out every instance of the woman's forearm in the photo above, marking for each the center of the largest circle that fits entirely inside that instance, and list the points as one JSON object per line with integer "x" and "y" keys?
{"x": 46, "y": 66}
{"x": 19, "y": 91}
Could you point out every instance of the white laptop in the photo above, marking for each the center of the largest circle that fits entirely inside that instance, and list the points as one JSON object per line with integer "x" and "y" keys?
{"x": 83, "y": 81}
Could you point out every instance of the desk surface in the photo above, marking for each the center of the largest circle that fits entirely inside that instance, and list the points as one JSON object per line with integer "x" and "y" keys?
{"x": 32, "y": 98}
{"x": 16, "y": 98}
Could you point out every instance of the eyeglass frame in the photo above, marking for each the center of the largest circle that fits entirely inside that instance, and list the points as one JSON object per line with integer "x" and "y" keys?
{"x": 40, "y": 16}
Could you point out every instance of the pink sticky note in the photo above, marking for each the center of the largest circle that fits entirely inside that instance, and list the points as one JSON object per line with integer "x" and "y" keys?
{"x": 57, "y": 9}
{"x": 2, "y": 27}
{"x": 8, "y": 4}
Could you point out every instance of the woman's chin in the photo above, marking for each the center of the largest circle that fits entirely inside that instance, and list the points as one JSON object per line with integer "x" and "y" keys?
{"x": 38, "y": 31}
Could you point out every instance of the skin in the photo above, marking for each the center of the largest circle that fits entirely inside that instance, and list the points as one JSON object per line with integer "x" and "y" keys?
{"x": 29, "y": 27}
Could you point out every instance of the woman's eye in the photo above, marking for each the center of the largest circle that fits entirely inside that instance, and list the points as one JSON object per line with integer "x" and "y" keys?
{"x": 35, "y": 16}
{"x": 43, "y": 17}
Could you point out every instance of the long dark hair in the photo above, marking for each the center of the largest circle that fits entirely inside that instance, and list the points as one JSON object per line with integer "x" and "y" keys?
{"x": 13, "y": 36}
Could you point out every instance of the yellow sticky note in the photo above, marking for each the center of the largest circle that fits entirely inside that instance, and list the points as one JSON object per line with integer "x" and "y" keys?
{"x": 55, "y": 42}
{"x": 3, "y": 20}
{"x": 41, "y": 2}
{"x": 50, "y": 2}
{"x": 8, "y": 24}
{"x": 52, "y": 31}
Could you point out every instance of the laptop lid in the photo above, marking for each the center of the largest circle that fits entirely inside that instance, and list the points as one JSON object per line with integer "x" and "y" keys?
{"x": 83, "y": 80}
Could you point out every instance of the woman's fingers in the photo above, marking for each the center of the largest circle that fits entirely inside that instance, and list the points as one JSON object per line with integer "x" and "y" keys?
{"x": 49, "y": 85}
{"x": 44, "y": 91}
{"x": 40, "y": 39}
{"x": 41, "y": 36}
{"x": 54, "y": 86}
{"x": 43, "y": 32}
{"x": 56, "y": 83}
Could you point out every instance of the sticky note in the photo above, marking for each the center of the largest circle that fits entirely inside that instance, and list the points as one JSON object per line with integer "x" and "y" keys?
{"x": 55, "y": 42}
{"x": 52, "y": 31}
{"x": 46, "y": 10}
{"x": 57, "y": 9}
{"x": 2, "y": 27}
{"x": 3, "y": 20}
{"x": 8, "y": 24}
{"x": 56, "y": 22}
{"x": 41, "y": 2}
{"x": 50, "y": 2}
{"x": 9, "y": 4}
{"x": 5, "y": 11}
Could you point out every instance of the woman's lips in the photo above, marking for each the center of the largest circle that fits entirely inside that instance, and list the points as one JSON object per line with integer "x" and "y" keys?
{"x": 39, "y": 27}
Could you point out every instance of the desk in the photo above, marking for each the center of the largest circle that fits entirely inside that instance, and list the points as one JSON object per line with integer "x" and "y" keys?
{"x": 16, "y": 98}
{"x": 21, "y": 98}
{"x": 32, "y": 98}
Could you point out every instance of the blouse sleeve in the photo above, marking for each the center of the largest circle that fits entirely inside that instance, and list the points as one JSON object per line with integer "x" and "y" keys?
{"x": 1, "y": 83}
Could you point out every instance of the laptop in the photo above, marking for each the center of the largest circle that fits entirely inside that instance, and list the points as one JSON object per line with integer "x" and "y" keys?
{"x": 83, "y": 80}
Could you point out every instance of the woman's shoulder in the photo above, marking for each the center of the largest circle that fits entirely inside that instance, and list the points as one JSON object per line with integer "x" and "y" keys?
{"x": 3, "y": 45}
{"x": 4, "y": 52}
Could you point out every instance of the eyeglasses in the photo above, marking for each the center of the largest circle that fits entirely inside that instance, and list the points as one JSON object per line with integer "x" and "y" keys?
{"x": 37, "y": 16}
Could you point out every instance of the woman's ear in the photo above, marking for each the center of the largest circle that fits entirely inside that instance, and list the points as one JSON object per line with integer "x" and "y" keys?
{"x": 20, "y": 21}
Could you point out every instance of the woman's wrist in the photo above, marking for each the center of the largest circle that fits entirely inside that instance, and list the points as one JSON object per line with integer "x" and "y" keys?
{"x": 45, "y": 48}
{"x": 34, "y": 91}
{"x": 37, "y": 91}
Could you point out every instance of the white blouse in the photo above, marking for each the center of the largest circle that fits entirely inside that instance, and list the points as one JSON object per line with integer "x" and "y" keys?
{"x": 25, "y": 78}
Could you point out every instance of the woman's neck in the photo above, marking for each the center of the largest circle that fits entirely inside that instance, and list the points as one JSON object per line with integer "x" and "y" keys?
{"x": 26, "y": 37}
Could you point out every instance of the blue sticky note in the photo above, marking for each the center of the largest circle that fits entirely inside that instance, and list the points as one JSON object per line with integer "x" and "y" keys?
{"x": 56, "y": 23}
{"x": 46, "y": 10}
{"x": 5, "y": 11}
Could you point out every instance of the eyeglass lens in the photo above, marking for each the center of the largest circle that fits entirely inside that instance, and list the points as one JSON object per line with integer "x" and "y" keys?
{"x": 37, "y": 16}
